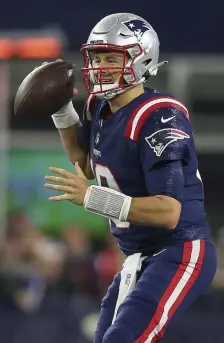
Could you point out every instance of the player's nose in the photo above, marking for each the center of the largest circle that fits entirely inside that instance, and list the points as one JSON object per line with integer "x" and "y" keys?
{"x": 102, "y": 70}
{"x": 103, "y": 65}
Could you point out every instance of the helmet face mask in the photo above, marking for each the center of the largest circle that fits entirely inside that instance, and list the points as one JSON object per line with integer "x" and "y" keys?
{"x": 100, "y": 80}
{"x": 123, "y": 33}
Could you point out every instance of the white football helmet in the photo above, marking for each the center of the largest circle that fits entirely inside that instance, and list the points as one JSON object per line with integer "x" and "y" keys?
{"x": 127, "y": 33}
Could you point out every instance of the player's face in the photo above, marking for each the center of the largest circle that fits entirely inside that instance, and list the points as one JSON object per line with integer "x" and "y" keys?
{"x": 109, "y": 66}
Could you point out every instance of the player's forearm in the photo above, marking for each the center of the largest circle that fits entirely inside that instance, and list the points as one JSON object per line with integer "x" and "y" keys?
{"x": 69, "y": 138}
{"x": 158, "y": 211}
{"x": 67, "y": 121}
{"x": 74, "y": 150}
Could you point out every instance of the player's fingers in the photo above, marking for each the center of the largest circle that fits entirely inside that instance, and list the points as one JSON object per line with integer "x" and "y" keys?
{"x": 60, "y": 188}
{"x": 66, "y": 196}
{"x": 62, "y": 172}
{"x": 58, "y": 179}
{"x": 40, "y": 65}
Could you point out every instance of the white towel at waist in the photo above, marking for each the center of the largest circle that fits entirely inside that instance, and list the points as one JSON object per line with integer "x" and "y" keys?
{"x": 131, "y": 266}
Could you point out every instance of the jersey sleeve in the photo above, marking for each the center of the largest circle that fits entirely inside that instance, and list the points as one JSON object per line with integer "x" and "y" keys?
{"x": 165, "y": 136}
{"x": 164, "y": 145}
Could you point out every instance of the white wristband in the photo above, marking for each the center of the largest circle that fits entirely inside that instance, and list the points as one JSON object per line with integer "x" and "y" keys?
{"x": 65, "y": 117}
{"x": 107, "y": 202}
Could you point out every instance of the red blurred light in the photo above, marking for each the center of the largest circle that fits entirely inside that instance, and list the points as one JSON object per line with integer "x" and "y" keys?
{"x": 41, "y": 47}
{"x": 7, "y": 48}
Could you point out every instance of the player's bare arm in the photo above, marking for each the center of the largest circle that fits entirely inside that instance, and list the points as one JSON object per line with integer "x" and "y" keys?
{"x": 158, "y": 211}
{"x": 67, "y": 121}
{"x": 74, "y": 150}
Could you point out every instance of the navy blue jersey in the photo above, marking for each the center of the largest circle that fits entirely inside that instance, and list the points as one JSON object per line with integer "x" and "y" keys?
{"x": 147, "y": 148}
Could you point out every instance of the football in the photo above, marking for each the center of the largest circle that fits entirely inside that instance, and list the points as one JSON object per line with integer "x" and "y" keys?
{"x": 45, "y": 90}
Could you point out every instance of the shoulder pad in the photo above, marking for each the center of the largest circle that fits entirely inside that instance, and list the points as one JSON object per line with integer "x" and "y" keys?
{"x": 145, "y": 109}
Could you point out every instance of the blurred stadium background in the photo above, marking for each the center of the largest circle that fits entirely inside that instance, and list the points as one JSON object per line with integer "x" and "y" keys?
{"x": 55, "y": 260}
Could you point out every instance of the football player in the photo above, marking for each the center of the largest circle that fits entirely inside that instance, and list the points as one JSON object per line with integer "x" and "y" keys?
{"x": 138, "y": 144}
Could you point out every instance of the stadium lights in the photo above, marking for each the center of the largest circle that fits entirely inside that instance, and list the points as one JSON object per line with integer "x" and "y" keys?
{"x": 30, "y": 47}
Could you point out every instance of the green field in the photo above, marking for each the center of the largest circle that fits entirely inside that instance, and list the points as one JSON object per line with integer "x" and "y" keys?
{"x": 26, "y": 171}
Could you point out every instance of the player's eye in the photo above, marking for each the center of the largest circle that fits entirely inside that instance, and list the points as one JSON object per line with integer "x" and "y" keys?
{"x": 113, "y": 60}
{"x": 96, "y": 62}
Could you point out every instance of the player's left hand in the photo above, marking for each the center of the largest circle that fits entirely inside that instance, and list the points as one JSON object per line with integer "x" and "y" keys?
{"x": 74, "y": 186}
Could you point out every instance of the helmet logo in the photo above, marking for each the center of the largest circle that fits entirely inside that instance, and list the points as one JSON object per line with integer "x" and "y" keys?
{"x": 137, "y": 26}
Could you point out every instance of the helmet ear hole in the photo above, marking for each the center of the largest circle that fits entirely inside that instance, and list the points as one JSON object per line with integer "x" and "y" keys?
{"x": 148, "y": 61}
{"x": 147, "y": 73}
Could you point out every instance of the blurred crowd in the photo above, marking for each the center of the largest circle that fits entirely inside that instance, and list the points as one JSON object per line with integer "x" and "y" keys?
{"x": 71, "y": 262}
{"x": 37, "y": 270}
{"x": 51, "y": 287}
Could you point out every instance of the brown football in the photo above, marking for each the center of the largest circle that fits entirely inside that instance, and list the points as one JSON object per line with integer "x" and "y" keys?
{"x": 45, "y": 90}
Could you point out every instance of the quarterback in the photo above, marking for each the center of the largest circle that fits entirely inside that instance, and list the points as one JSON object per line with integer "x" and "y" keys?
{"x": 138, "y": 144}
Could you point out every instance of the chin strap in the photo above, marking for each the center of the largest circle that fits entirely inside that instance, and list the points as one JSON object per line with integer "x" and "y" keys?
{"x": 154, "y": 69}
{"x": 110, "y": 94}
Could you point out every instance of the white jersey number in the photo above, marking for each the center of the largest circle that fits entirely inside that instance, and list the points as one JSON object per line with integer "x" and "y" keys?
{"x": 106, "y": 179}
{"x": 198, "y": 175}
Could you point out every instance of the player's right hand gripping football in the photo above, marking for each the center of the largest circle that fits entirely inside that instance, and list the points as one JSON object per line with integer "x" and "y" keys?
{"x": 75, "y": 90}
{"x": 66, "y": 116}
